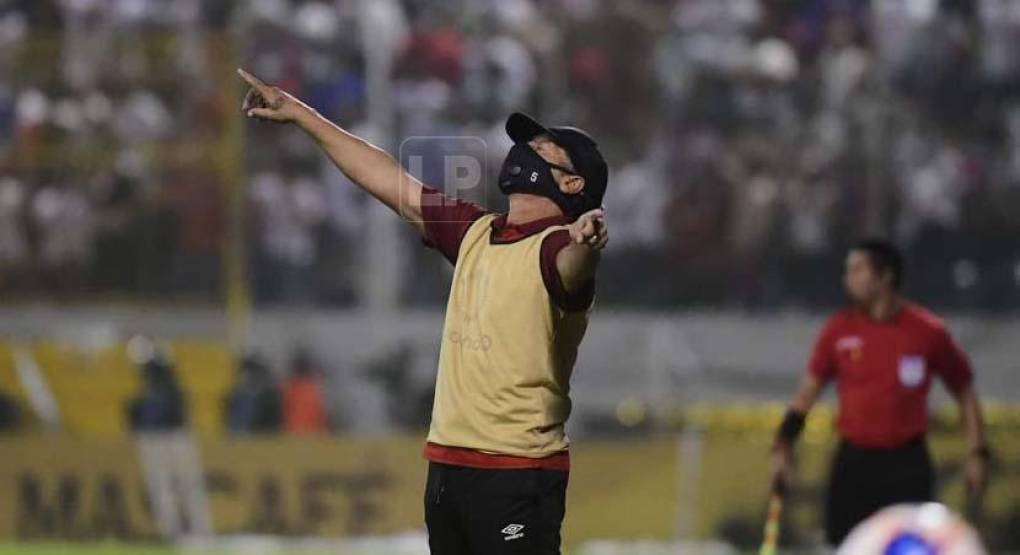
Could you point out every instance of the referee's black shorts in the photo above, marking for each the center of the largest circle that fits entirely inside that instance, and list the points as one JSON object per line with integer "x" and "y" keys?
{"x": 474, "y": 511}
{"x": 866, "y": 480}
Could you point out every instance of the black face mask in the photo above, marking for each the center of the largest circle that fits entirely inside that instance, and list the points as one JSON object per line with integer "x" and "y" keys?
{"x": 524, "y": 171}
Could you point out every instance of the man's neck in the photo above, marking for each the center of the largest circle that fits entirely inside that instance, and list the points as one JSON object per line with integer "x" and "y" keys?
{"x": 526, "y": 208}
{"x": 885, "y": 308}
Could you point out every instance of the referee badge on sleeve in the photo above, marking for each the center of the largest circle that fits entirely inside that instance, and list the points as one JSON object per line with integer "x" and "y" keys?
{"x": 911, "y": 370}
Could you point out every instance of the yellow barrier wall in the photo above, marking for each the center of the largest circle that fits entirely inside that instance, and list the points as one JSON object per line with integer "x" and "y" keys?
{"x": 60, "y": 487}
{"x": 92, "y": 387}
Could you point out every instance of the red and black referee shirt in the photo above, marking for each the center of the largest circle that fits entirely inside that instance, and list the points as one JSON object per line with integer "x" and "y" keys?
{"x": 884, "y": 370}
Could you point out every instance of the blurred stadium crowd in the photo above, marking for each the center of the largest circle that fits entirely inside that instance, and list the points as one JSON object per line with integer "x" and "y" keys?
{"x": 750, "y": 140}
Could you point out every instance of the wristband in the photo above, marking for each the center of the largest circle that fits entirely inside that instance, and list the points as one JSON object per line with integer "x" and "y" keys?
{"x": 790, "y": 429}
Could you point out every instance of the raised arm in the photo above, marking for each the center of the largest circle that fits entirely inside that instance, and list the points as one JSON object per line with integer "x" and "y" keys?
{"x": 368, "y": 166}
{"x": 577, "y": 262}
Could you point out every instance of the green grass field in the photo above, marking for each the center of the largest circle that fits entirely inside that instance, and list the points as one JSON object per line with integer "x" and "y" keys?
{"x": 136, "y": 549}
{"x": 128, "y": 549}
{"x": 73, "y": 549}
{"x": 122, "y": 549}
{"x": 142, "y": 549}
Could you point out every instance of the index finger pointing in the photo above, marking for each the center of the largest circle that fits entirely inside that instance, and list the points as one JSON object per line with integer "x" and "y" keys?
{"x": 252, "y": 80}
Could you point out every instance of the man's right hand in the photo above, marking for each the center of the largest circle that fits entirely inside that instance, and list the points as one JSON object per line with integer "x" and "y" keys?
{"x": 781, "y": 466}
{"x": 270, "y": 103}
{"x": 368, "y": 166}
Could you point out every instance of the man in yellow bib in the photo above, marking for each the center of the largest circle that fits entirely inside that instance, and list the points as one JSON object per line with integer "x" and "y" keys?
{"x": 523, "y": 285}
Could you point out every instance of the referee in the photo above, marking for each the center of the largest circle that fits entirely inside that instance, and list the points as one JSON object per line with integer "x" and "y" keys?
{"x": 882, "y": 352}
{"x": 523, "y": 284}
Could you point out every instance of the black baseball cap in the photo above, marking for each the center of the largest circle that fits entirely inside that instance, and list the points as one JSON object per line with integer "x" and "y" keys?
{"x": 583, "y": 150}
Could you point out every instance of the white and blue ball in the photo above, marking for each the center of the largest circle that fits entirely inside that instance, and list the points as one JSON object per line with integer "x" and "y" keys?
{"x": 924, "y": 529}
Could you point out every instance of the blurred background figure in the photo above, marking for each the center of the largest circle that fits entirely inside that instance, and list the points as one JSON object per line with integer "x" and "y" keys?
{"x": 290, "y": 211}
{"x": 408, "y": 398}
{"x": 254, "y": 405}
{"x": 13, "y": 239}
{"x": 9, "y": 413}
{"x": 160, "y": 405}
{"x": 170, "y": 459}
{"x": 304, "y": 407}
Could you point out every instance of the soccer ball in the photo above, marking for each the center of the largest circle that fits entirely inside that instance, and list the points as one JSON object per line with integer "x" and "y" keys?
{"x": 925, "y": 529}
